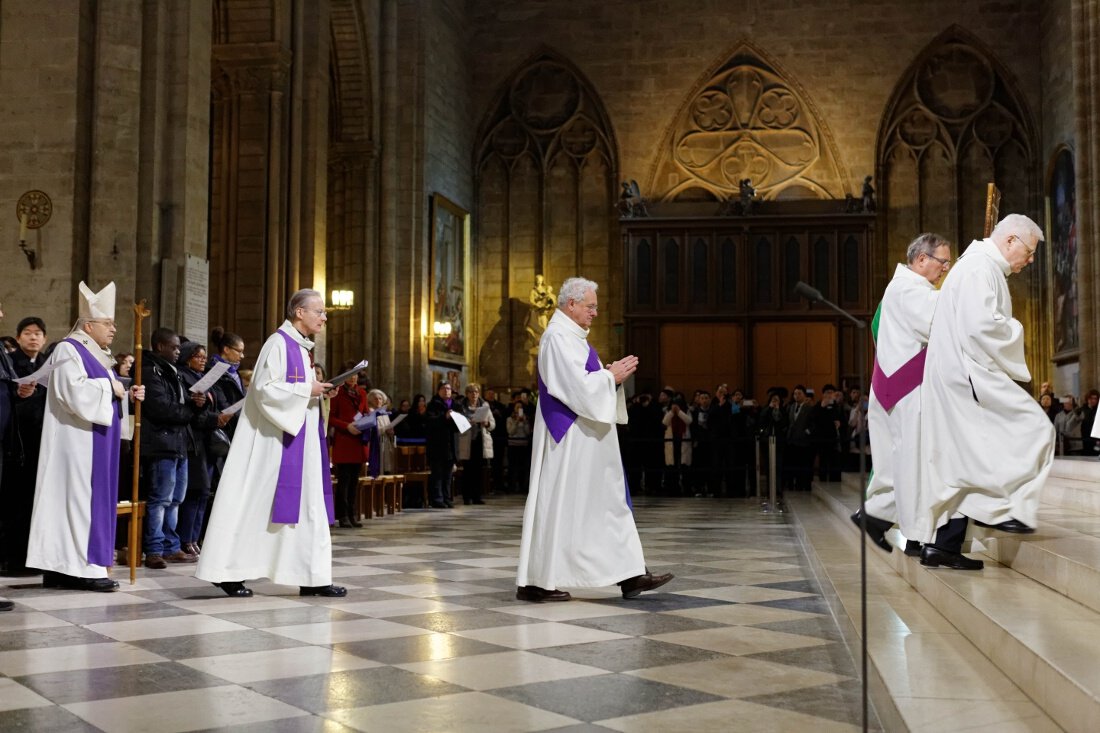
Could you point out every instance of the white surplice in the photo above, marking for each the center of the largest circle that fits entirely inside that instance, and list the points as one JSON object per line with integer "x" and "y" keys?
{"x": 578, "y": 530}
{"x": 61, "y": 519}
{"x": 904, "y": 320}
{"x": 241, "y": 542}
{"x": 986, "y": 445}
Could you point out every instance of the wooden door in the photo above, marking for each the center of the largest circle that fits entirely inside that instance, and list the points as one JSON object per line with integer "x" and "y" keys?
{"x": 790, "y": 353}
{"x": 702, "y": 355}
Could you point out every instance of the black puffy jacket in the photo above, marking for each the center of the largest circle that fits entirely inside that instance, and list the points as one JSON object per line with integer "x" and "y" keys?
{"x": 166, "y": 413}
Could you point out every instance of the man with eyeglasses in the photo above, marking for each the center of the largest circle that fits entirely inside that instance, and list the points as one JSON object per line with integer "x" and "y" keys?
{"x": 72, "y": 537}
{"x": 274, "y": 504}
{"x": 986, "y": 445}
{"x": 578, "y": 527}
{"x": 900, "y": 329}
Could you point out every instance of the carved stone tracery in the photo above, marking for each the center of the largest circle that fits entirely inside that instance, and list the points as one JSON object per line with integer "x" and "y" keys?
{"x": 747, "y": 120}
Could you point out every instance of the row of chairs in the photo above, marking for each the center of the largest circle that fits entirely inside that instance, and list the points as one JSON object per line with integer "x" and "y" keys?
{"x": 385, "y": 494}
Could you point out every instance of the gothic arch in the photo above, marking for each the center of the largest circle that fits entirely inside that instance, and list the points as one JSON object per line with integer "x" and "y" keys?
{"x": 747, "y": 118}
{"x": 545, "y": 166}
{"x": 955, "y": 121}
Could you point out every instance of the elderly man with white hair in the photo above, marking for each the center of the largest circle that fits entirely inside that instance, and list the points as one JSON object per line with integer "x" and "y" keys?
{"x": 274, "y": 504}
{"x": 986, "y": 444}
{"x": 578, "y": 527}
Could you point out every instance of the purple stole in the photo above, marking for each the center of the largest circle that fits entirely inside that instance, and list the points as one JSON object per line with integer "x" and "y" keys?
{"x": 889, "y": 390}
{"x": 105, "y": 448}
{"x": 286, "y": 507}
{"x": 559, "y": 418}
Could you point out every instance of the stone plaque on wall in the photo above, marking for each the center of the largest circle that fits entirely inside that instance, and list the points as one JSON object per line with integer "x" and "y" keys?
{"x": 196, "y": 298}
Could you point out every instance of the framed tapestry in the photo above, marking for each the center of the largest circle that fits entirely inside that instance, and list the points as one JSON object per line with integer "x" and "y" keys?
{"x": 1061, "y": 226}
{"x": 449, "y": 253}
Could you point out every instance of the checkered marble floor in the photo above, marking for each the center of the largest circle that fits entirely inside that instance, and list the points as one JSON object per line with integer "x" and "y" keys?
{"x": 431, "y": 638}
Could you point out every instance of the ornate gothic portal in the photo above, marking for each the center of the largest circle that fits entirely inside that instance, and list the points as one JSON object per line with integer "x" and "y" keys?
{"x": 954, "y": 123}
{"x": 747, "y": 120}
{"x": 546, "y": 174}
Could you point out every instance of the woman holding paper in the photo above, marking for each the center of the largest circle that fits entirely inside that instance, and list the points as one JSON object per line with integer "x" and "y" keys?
{"x": 475, "y": 446}
{"x": 348, "y": 405}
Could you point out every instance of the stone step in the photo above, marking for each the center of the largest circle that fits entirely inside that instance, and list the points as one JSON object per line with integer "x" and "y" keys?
{"x": 1074, "y": 483}
{"x": 1036, "y": 620}
{"x": 924, "y": 676}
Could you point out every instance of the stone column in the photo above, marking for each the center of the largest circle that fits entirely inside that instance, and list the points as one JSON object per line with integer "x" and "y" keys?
{"x": 1086, "y": 75}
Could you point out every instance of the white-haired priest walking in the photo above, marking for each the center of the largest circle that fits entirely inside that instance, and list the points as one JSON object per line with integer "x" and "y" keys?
{"x": 273, "y": 506}
{"x": 578, "y": 526}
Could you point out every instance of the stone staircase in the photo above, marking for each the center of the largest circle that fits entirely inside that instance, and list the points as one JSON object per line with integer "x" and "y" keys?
{"x": 1015, "y": 646}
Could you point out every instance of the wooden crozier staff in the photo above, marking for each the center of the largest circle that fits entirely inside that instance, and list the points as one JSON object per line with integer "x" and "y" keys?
{"x": 140, "y": 313}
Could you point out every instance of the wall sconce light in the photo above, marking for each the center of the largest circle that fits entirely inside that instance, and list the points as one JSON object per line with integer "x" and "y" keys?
{"x": 342, "y": 300}
{"x": 441, "y": 330}
{"x": 33, "y": 210}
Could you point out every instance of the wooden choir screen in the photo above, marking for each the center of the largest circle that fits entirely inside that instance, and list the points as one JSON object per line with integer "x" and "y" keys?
{"x": 702, "y": 355}
{"x": 786, "y": 354}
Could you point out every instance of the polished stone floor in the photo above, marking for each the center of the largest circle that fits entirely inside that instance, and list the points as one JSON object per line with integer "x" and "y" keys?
{"x": 430, "y": 638}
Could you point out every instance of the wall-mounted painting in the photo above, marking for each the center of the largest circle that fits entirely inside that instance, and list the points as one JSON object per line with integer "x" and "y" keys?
{"x": 447, "y": 331}
{"x": 1062, "y": 231}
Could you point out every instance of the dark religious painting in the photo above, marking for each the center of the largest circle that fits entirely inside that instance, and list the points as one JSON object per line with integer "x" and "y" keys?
{"x": 1062, "y": 230}
{"x": 447, "y": 342}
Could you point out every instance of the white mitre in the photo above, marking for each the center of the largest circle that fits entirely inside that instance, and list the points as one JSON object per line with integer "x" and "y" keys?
{"x": 97, "y": 306}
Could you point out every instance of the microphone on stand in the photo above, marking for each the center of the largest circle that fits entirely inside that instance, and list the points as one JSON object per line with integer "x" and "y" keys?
{"x": 810, "y": 293}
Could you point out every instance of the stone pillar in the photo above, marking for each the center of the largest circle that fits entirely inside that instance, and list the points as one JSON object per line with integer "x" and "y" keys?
{"x": 1086, "y": 76}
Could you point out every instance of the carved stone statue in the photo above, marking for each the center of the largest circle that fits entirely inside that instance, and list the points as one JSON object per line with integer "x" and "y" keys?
{"x": 543, "y": 302}
{"x": 747, "y": 195}
{"x": 868, "y": 195}
{"x": 631, "y": 202}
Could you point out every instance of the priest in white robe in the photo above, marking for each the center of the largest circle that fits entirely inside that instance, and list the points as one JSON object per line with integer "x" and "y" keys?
{"x": 985, "y": 442}
{"x": 72, "y": 535}
{"x": 273, "y": 507}
{"x": 578, "y": 525}
{"x": 900, "y": 328}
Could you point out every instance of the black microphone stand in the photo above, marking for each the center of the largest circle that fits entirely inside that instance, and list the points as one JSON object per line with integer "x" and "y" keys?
{"x": 814, "y": 295}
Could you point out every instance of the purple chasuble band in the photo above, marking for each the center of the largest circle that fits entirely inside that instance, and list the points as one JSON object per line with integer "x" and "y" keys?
{"x": 890, "y": 390}
{"x": 557, "y": 416}
{"x": 286, "y": 507}
{"x": 104, "y": 479}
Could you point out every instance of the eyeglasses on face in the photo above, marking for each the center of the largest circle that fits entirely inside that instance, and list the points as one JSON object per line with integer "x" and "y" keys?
{"x": 945, "y": 264}
{"x": 1030, "y": 250}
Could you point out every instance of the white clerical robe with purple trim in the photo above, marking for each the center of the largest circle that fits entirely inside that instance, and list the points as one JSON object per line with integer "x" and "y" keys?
{"x": 61, "y": 522}
{"x": 986, "y": 445}
{"x": 578, "y": 530}
{"x": 242, "y": 543}
{"x": 904, "y": 320}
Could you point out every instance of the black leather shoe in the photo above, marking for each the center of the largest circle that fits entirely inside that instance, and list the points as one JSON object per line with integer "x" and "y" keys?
{"x": 235, "y": 589}
{"x": 6, "y": 606}
{"x": 438, "y": 505}
{"x": 876, "y": 530}
{"x": 449, "y": 504}
{"x": 1012, "y": 525}
{"x": 328, "y": 591}
{"x": 913, "y": 548}
{"x": 356, "y": 523}
{"x": 639, "y": 583}
{"x": 933, "y": 557}
{"x": 344, "y": 524}
{"x": 60, "y": 580}
{"x": 534, "y": 594}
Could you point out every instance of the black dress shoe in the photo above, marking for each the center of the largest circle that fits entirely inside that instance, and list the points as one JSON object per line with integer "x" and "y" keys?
{"x": 449, "y": 504}
{"x": 344, "y": 524}
{"x": 1012, "y": 525}
{"x": 328, "y": 591}
{"x": 438, "y": 505}
{"x": 235, "y": 589}
{"x": 534, "y": 594}
{"x": 356, "y": 523}
{"x": 934, "y": 557}
{"x": 60, "y": 580}
{"x": 639, "y": 583}
{"x": 876, "y": 529}
{"x": 6, "y": 606}
{"x": 912, "y": 548}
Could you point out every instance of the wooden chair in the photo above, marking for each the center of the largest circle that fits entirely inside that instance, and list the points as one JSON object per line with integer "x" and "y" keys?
{"x": 133, "y": 513}
{"x": 398, "y": 492}
{"x": 412, "y": 462}
{"x": 368, "y": 488}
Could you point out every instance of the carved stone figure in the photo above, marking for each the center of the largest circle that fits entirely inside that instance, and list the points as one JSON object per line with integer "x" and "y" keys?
{"x": 868, "y": 195}
{"x": 631, "y": 202}
{"x": 543, "y": 302}
{"x": 747, "y": 196}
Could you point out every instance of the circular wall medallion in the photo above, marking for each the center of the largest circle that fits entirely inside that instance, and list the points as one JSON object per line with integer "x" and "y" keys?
{"x": 34, "y": 209}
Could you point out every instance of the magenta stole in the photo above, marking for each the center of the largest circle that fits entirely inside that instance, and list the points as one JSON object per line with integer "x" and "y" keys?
{"x": 559, "y": 418}
{"x": 287, "y": 505}
{"x": 104, "y": 478}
